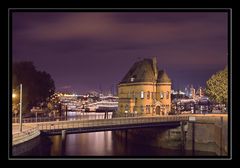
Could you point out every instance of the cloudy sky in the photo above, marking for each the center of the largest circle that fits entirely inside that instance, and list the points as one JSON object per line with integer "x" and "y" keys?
{"x": 87, "y": 50}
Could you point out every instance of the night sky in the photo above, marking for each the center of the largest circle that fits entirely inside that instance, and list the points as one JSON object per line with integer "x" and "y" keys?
{"x": 91, "y": 50}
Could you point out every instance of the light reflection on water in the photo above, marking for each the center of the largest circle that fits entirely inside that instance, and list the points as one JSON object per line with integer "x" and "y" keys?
{"x": 96, "y": 144}
{"x": 100, "y": 144}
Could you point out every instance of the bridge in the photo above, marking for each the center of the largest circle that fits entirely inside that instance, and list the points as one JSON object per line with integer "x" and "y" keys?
{"x": 83, "y": 126}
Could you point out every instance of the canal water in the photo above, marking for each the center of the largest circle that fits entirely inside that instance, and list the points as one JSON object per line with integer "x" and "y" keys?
{"x": 100, "y": 144}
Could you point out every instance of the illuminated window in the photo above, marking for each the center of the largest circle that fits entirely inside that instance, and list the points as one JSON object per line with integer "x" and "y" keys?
{"x": 161, "y": 95}
{"x": 148, "y": 95}
{"x": 142, "y": 95}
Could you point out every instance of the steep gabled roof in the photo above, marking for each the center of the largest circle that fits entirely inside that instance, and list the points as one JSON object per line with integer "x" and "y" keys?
{"x": 141, "y": 71}
{"x": 163, "y": 77}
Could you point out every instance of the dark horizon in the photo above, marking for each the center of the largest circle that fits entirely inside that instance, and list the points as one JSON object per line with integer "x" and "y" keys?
{"x": 91, "y": 50}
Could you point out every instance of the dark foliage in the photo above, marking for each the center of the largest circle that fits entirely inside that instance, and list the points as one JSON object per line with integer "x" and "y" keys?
{"x": 37, "y": 85}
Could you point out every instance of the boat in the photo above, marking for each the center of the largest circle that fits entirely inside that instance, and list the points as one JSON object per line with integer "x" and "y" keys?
{"x": 102, "y": 106}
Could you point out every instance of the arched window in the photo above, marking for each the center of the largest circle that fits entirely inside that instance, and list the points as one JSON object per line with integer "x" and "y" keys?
{"x": 147, "y": 109}
{"x": 148, "y": 95}
{"x": 142, "y": 109}
{"x": 134, "y": 108}
{"x": 126, "y": 107}
{"x": 121, "y": 107}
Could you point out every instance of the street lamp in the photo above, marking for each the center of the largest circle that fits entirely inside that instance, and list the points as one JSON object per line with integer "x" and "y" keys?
{"x": 126, "y": 112}
{"x": 20, "y": 104}
{"x": 14, "y": 95}
{"x": 135, "y": 112}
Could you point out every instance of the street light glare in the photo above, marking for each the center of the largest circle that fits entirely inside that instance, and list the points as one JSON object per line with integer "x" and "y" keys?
{"x": 14, "y": 95}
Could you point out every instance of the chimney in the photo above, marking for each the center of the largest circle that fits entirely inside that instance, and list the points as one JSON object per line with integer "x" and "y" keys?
{"x": 154, "y": 59}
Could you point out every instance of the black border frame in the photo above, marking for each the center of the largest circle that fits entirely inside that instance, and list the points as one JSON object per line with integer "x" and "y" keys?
{"x": 228, "y": 10}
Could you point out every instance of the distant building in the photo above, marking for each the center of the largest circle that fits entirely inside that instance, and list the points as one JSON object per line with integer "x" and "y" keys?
{"x": 145, "y": 90}
{"x": 192, "y": 92}
{"x": 200, "y": 92}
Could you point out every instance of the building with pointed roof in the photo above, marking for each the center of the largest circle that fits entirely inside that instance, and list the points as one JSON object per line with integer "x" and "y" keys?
{"x": 145, "y": 89}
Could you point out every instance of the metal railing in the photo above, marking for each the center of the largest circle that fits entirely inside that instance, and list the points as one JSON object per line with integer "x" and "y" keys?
{"x": 61, "y": 118}
{"x": 25, "y": 135}
{"x": 108, "y": 122}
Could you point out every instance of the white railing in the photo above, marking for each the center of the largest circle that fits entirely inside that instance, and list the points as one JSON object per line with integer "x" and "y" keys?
{"x": 25, "y": 135}
{"x": 84, "y": 116}
{"x": 107, "y": 122}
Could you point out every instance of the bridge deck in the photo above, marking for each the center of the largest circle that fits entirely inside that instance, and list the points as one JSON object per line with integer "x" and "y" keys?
{"x": 78, "y": 126}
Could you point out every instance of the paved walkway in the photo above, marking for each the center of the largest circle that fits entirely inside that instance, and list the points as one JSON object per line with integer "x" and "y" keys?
{"x": 16, "y": 128}
{"x": 28, "y": 133}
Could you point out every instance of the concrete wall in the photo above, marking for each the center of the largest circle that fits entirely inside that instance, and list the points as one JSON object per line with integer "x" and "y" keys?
{"x": 169, "y": 138}
{"x": 19, "y": 149}
{"x": 211, "y": 135}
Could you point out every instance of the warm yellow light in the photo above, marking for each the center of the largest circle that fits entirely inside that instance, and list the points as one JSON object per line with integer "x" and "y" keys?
{"x": 14, "y": 95}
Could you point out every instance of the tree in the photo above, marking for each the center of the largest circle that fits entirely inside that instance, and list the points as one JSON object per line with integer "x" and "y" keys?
{"x": 217, "y": 87}
{"x": 37, "y": 85}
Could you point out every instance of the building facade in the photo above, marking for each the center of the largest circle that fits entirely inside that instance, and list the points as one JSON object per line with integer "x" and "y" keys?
{"x": 145, "y": 90}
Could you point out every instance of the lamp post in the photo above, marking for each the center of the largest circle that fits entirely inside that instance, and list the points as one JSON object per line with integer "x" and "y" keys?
{"x": 20, "y": 106}
{"x": 135, "y": 113}
{"x": 126, "y": 112}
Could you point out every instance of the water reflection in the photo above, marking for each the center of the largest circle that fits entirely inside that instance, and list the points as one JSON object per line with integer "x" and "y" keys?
{"x": 99, "y": 144}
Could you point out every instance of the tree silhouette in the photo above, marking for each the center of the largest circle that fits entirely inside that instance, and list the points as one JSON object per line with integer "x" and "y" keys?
{"x": 217, "y": 87}
{"x": 37, "y": 85}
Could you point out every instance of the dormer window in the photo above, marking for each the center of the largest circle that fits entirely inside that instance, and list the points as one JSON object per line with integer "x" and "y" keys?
{"x": 132, "y": 79}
